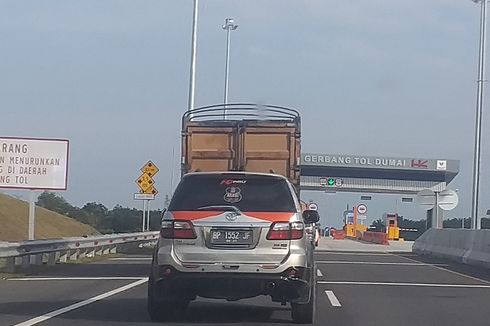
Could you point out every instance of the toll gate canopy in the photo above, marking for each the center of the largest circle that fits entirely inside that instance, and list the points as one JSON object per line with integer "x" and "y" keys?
{"x": 355, "y": 173}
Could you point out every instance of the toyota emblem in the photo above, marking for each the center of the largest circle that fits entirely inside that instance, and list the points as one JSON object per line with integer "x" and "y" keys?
{"x": 231, "y": 216}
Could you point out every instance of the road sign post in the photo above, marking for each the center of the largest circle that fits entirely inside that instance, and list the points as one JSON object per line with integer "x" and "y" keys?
{"x": 362, "y": 209}
{"x": 313, "y": 206}
{"x": 32, "y": 214}
{"x": 435, "y": 203}
{"x": 147, "y": 191}
{"x": 144, "y": 217}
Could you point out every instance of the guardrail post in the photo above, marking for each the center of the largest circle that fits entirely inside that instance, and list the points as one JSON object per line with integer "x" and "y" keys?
{"x": 26, "y": 260}
{"x": 82, "y": 253}
{"x": 64, "y": 256}
{"x": 7, "y": 265}
{"x": 44, "y": 258}
{"x": 90, "y": 253}
{"x": 73, "y": 255}
{"x": 51, "y": 258}
{"x": 36, "y": 259}
{"x": 98, "y": 251}
{"x": 57, "y": 257}
{"x": 10, "y": 265}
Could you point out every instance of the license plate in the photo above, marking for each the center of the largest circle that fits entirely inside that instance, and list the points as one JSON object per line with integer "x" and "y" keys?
{"x": 231, "y": 237}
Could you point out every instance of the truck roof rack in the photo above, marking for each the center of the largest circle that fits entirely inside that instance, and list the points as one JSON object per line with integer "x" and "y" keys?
{"x": 241, "y": 111}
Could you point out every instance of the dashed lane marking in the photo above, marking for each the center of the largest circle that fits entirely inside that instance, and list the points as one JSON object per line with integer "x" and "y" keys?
{"x": 131, "y": 258}
{"x": 375, "y": 263}
{"x": 345, "y": 253}
{"x": 58, "y": 312}
{"x": 74, "y": 278}
{"x": 467, "y": 286}
{"x": 333, "y": 299}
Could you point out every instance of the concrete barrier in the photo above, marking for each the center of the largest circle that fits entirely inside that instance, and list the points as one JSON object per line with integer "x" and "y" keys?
{"x": 375, "y": 237}
{"x": 465, "y": 246}
{"x": 338, "y": 235}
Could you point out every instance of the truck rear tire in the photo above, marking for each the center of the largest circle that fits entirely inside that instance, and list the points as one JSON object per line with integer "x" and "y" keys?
{"x": 156, "y": 307}
{"x": 161, "y": 308}
{"x": 304, "y": 313}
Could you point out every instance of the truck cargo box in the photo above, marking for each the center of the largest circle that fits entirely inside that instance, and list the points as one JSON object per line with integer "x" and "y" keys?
{"x": 244, "y": 137}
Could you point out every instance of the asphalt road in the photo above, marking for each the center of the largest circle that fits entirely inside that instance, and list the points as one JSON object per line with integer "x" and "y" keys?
{"x": 354, "y": 288}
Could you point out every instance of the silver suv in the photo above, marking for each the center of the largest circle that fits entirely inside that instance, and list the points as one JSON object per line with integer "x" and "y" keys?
{"x": 233, "y": 235}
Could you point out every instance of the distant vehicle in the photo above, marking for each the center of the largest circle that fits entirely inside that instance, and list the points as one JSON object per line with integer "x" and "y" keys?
{"x": 313, "y": 234}
{"x": 233, "y": 235}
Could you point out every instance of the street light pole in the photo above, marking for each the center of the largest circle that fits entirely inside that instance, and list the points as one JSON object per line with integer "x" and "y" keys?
{"x": 476, "y": 222}
{"x": 228, "y": 26}
{"x": 192, "y": 77}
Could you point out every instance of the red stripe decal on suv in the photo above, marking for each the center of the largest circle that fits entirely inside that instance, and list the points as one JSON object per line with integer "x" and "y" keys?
{"x": 271, "y": 216}
{"x": 266, "y": 216}
{"x": 194, "y": 215}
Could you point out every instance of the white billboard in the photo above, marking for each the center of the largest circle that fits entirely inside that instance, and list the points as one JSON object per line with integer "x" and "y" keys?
{"x": 30, "y": 163}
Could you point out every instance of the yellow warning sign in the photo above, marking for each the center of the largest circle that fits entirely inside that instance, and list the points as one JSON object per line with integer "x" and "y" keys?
{"x": 144, "y": 182}
{"x": 150, "y": 168}
{"x": 150, "y": 190}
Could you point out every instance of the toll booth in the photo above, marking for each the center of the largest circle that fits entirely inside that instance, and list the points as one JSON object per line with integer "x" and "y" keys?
{"x": 392, "y": 228}
{"x": 352, "y": 225}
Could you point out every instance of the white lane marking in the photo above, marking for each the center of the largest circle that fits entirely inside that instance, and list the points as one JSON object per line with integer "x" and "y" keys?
{"x": 448, "y": 270}
{"x": 333, "y": 299}
{"x": 74, "y": 278}
{"x": 468, "y": 286}
{"x": 353, "y": 253}
{"x": 77, "y": 305}
{"x": 375, "y": 263}
{"x": 131, "y": 258}
{"x": 319, "y": 273}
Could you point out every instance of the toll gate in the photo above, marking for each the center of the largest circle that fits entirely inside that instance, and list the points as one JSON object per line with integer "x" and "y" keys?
{"x": 375, "y": 174}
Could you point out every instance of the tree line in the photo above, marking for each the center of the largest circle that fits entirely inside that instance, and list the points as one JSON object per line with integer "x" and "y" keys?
{"x": 117, "y": 220}
{"x": 122, "y": 219}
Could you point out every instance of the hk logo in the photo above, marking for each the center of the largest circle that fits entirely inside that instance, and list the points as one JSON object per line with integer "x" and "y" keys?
{"x": 421, "y": 164}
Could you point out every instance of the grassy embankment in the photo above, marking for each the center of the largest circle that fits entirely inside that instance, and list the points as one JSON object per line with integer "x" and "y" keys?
{"x": 14, "y": 215}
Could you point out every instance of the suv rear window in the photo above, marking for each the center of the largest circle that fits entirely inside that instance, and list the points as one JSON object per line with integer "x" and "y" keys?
{"x": 248, "y": 193}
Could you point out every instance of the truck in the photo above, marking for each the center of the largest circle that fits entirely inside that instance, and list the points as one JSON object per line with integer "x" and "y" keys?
{"x": 242, "y": 137}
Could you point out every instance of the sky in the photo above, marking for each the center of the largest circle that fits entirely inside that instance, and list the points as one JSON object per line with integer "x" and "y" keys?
{"x": 374, "y": 78}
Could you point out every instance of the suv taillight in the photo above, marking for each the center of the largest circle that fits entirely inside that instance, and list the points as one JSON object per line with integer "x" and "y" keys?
{"x": 286, "y": 231}
{"x": 177, "y": 230}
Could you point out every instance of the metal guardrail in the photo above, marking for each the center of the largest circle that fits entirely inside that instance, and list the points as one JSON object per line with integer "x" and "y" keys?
{"x": 15, "y": 255}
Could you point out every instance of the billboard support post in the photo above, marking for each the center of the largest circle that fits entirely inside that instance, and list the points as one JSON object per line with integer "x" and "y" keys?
{"x": 32, "y": 214}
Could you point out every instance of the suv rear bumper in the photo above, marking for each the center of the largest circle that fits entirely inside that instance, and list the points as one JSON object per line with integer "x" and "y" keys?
{"x": 282, "y": 287}
{"x": 295, "y": 257}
